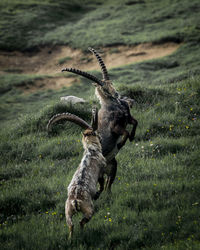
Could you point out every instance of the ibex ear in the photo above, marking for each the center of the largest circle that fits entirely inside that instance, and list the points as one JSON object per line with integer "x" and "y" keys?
{"x": 94, "y": 121}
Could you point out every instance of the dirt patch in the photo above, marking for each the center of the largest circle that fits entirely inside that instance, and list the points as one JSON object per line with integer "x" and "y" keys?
{"x": 50, "y": 61}
{"x": 46, "y": 61}
{"x": 48, "y": 83}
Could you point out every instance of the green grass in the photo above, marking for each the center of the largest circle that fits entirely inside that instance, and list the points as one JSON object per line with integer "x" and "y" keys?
{"x": 155, "y": 197}
{"x": 96, "y": 23}
{"x": 64, "y": 60}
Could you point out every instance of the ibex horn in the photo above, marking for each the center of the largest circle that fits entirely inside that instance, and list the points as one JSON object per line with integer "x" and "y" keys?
{"x": 94, "y": 121}
{"x": 84, "y": 74}
{"x": 68, "y": 117}
{"x": 101, "y": 63}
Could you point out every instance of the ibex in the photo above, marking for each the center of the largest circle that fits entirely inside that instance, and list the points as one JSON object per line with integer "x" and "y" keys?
{"x": 82, "y": 188}
{"x": 114, "y": 116}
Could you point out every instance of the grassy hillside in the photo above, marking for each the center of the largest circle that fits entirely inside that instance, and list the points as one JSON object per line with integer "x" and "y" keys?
{"x": 155, "y": 197}
{"x": 96, "y": 23}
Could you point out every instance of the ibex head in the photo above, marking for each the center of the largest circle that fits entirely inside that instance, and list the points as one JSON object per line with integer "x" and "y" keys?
{"x": 90, "y": 135}
{"x": 104, "y": 88}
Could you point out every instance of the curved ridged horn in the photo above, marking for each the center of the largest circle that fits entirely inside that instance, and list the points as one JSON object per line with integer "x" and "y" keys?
{"x": 84, "y": 74}
{"x": 94, "y": 121}
{"x": 69, "y": 117}
{"x": 101, "y": 63}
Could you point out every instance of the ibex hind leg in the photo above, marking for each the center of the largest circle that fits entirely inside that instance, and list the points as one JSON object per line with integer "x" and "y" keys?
{"x": 69, "y": 212}
{"x": 70, "y": 226}
{"x": 112, "y": 165}
{"x": 88, "y": 211}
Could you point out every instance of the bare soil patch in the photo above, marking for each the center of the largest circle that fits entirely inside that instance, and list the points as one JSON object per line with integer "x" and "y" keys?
{"x": 50, "y": 61}
{"x": 49, "y": 83}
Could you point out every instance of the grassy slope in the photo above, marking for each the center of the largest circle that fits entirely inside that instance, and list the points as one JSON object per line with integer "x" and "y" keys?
{"x": 112, "y": 22}
{"x": 155, "y": 199}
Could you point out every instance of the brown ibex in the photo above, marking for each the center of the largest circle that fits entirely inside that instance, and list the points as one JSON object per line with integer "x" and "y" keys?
{"x": 83, "y": 186}
{"x": 114, "y": 116}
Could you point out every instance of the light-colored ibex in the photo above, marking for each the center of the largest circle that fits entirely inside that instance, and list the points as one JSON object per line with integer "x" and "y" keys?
{"x": 114, "y": 116}
{"x": 83, "y": 186}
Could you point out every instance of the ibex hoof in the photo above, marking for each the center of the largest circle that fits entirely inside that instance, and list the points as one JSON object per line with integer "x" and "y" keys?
{"x": 120, "y": 145}
{"x": 96, "y": 195}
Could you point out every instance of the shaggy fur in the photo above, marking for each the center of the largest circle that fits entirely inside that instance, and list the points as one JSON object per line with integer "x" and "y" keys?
{"x": 83, "y": 187}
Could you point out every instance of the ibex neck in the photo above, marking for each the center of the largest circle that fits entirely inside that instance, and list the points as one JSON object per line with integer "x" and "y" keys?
{"x": 93, "y": 148}
{"x": 105, "y": 101}
{"x": 103, "y": 98}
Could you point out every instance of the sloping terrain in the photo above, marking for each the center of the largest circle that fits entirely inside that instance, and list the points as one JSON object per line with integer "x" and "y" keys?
{"x": 49, "y": 61}
{"x": 155, "y": 197}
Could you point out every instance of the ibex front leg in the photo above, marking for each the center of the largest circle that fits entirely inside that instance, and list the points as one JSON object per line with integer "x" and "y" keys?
{"x": 112, "y": 165}
{"x": 125, "y": 133}
{"x": 101, "y": 183}
{"x": 122, "y": 132}
{"x": 134, "y": 123}
{"x": 124, "y": 139}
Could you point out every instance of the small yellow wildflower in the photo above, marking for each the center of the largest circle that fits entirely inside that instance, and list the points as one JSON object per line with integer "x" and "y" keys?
{"x": 187, "y": 127}
{"x": 110, "y": 219}
{"x": 155, "y": 184}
